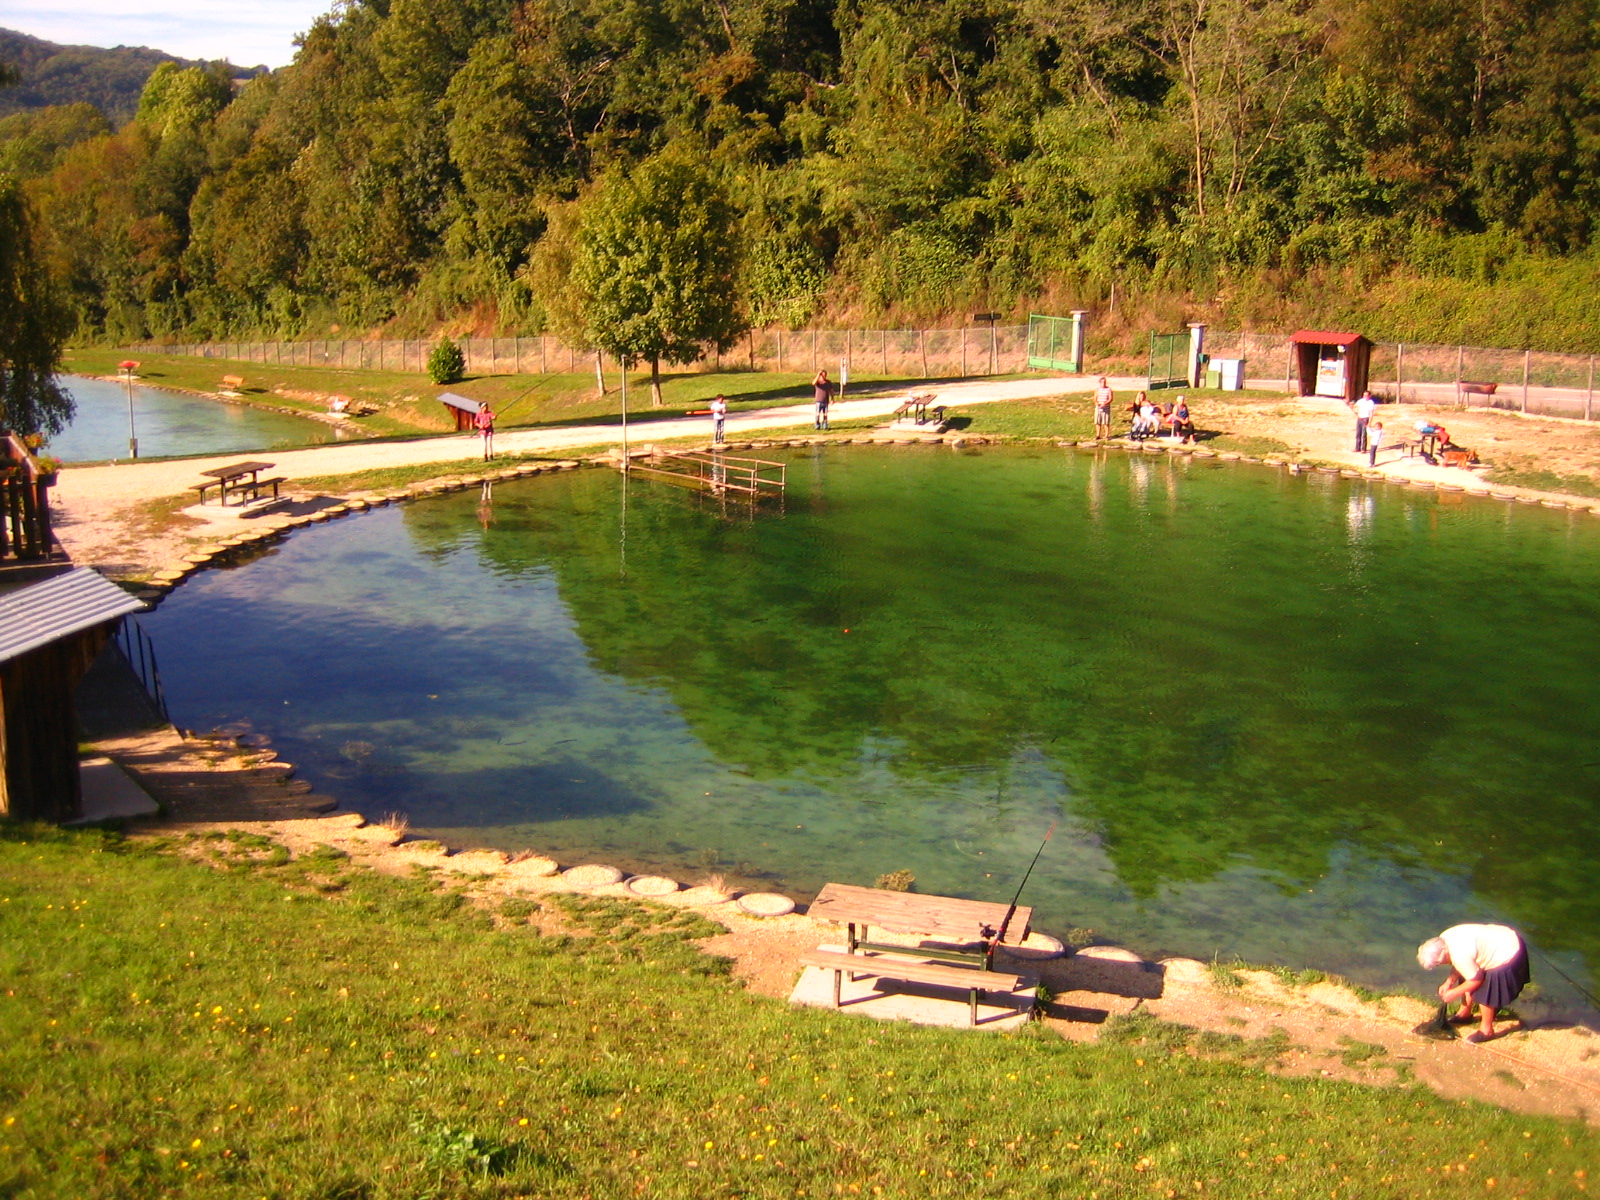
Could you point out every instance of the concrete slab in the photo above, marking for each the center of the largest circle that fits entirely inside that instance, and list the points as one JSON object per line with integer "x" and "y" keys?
{"x": 921, "y": 1004}
{"x": 109, "y": 793}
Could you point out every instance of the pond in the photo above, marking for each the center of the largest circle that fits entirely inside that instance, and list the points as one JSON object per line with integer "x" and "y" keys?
{"x": 1295, "y": 719}
{"x": 171, "y": 424}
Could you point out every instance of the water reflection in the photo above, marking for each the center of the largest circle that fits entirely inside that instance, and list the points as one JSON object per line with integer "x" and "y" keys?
{"x": 1255, "y": 751}
{"x": 171, "y": 423}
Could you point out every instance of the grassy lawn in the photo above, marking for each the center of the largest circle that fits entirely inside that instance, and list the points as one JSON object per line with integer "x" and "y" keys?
{"x": 303, "y": 1029}
{"x": 407, "y": 402}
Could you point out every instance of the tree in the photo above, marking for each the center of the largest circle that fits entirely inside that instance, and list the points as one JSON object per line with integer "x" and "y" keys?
{"x": 33, "y": 326}
{"x": 657, "y": 261}
{"x": 446, "y": 364}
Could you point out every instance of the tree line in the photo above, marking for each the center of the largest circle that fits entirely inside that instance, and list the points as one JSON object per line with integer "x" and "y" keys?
{"x": 424, "y": 161}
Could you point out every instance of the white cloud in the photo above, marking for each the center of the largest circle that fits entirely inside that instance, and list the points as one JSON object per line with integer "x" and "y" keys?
{"x": 246, "y": 32}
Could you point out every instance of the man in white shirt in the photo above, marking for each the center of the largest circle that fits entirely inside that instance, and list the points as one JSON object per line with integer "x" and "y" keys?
{"x": 1488, "y": 968}
{"x": 1364, "y": 408}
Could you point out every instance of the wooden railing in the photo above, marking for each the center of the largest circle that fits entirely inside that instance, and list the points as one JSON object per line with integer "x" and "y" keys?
{"x": 24, "y": 503}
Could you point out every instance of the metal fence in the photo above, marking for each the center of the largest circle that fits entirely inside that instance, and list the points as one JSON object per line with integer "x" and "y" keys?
{"x": 897, "y": 353}
{"x": 1534, "y": 381}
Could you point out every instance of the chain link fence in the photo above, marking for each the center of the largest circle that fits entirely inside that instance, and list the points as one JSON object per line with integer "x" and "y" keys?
{"x": 1534, "y": 381}
{"x": 893, "y": 353}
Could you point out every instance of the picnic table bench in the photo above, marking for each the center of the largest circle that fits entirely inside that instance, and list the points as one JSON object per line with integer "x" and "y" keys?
{"x": 972, "y": 980}
{"x": 232, "y": 479}
{"x": 916, "y": 407}
{"x": 232, "y": 385}
{"x": 961, "y": 923}
{"x": 1470, "y": 387}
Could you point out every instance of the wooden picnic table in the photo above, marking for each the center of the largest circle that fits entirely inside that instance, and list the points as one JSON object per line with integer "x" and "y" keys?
{"x": 962, "y": 923}
{"x": 230, "y": 476}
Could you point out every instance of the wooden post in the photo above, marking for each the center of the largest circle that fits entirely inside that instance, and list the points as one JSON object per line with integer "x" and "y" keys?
{"x": 1588, "y": 398}
{"x": 922, "y": 344}
{"x": 541, "y": 354}
{"x": 994, "y": 347}
{"x": 813, "y": 350}
{"x": 752, "y": 349}
{"x": 1527, "y": 355}
{"x": 780, "y": 349}
{"x": 963, "y": 352}
{"x": 1461, "y": 353}
{"x": 885, "y": 351}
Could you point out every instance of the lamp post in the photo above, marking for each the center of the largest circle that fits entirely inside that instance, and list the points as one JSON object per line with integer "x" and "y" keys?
{"x": 128, "y": 368}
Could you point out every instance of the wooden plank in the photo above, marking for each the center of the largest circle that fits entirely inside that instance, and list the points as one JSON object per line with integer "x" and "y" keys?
{"x": 911, "y": 912}
{"x": 884, "y": 966}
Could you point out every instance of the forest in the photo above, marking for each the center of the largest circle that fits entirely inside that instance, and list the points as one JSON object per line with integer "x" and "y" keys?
{"x": 1431, "y": 167}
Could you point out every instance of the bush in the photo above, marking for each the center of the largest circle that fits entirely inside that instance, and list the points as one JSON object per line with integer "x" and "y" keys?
{"x": 446, "y": 364}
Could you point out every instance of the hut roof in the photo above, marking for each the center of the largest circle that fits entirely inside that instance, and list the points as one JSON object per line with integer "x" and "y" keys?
{"x": 1316, "y": 337}
{"x": 40, "y": 613}
{"x": 461, "y": 402}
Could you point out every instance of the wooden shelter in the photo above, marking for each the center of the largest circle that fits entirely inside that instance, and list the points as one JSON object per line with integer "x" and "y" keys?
{"x": 51, "y": 631}
{"x": 1332, "y": 364}
{"x": 462, "y": 409}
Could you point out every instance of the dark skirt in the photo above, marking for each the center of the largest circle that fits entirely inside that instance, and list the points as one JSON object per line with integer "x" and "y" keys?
{"x": 1502, "y": 985}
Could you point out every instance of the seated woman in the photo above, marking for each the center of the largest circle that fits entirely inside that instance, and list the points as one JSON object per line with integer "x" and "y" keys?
{"x": 1182, "y": 424}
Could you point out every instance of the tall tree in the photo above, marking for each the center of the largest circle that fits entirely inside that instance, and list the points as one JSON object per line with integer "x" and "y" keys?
{"x": 33, "y": 326}
{"x": 657, "y": 262}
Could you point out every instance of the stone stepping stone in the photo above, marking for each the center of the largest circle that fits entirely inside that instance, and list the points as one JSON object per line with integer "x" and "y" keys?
{"x": 1035, "y": 947}
{"x": 535, "y": 866}
{"x": 252, "y": 741}
{"x": 652, "y": 885}
{"x": 592, "y": 875}
{"x": 766, "y": 904}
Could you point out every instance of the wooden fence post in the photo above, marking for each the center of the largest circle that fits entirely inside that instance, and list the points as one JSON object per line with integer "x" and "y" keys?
{"x": 1461, "y": 353}
{"x": 780, "y": 349}
{"x": 922, "y": 344}
{"x": 1399, "y": 371}
{"x": 885, "y": 334}
{"x": 1588, "y": 399}
{"x": 1527, "y": 356}
{"x": 963, "y": 352}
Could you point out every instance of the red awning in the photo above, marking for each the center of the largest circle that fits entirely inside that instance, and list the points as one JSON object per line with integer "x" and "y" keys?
{"x": 1313, "y": 337}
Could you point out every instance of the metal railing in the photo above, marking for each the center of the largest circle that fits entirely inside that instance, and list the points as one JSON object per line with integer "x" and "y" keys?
{"x": 140, "y": 652}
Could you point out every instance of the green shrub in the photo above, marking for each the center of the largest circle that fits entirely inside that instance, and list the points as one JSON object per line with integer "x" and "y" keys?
{"x": 446, "y": 364}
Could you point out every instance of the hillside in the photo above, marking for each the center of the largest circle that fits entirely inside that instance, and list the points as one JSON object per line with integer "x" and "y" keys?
{"x": 111, "y": 80}
{"x": 432, "y": 164}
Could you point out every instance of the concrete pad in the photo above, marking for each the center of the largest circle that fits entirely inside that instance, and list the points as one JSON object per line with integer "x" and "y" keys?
{"x": 109, "y": 793}
{"x": 919, "y": 1003}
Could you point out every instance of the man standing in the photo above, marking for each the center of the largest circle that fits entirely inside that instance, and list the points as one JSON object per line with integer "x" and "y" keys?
{"x": 719, "y": 414}
{"x": 1102, "y": 409}
{"x": 484, "y": 423}
{"x": 1364, "y": 407}
{"x": 822, "y": 393}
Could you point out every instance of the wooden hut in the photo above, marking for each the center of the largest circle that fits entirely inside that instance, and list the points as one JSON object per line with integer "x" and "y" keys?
{"x": 1332, "y": 364}
{"x": 51, "y": 630}
{"x": 462, "y": 409}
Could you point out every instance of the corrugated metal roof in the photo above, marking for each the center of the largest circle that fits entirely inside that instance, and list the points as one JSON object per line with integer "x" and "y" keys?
{"x": 1318, "y": 337}
{"x": 455, "y": 401}
{"x": 54, "y": 608}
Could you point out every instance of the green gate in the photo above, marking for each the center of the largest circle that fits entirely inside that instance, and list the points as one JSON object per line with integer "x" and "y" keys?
{"x": 1050, "y": 344}
{"x": 1169, "y": 360}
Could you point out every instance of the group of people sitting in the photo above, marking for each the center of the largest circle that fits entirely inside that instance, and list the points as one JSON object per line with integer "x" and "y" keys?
{"x": 1147, "y": 419}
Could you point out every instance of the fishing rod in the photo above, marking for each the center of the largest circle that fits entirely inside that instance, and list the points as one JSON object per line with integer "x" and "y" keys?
{"x": 999, "y": 937}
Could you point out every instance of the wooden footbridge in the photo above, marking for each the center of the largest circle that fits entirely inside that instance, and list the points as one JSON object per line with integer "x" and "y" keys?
{"x": 714, "y": 472}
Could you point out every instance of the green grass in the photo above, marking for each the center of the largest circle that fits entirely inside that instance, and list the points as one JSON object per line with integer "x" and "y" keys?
{"x": 249, "y": 1026}
{"x": 1544, "y": 481}
{"x": 408, "y": 401}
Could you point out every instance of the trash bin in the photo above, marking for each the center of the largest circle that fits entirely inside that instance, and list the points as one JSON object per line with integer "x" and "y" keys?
{"x": 1229, "y": 373}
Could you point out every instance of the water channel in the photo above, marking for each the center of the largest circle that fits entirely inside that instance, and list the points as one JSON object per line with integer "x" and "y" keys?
{"x": 1304, "y": 720}
{"x": 169, "y": 424}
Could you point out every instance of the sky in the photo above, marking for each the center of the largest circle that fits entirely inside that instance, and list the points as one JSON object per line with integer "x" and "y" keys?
{"x": 246, "y": 32}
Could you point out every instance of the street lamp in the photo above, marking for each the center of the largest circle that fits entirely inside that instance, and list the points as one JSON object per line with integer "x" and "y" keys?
{"x": 128, "y": 368}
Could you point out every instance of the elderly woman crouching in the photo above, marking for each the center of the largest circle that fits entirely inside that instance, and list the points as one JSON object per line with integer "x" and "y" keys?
{"x": 1488, "y": 968}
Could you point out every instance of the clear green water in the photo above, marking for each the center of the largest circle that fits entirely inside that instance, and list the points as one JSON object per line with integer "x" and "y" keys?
{"x": 170, "y": 424}
{"x": 1304, "y": 720}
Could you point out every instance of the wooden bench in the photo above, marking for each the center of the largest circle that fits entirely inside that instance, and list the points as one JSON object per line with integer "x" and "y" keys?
{"x": 917, "y": 405}
{"x": 972, "y": 980}
{"x": 1469, "y": 387}
{"x": 232, "y": 385}
{"x": 201, "y": 487}
{"x": 256, "y": 486}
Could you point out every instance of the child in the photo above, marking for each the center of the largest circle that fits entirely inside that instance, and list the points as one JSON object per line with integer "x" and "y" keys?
{"x": 1374, "y": 433}
{"x": 719, "y": 414}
